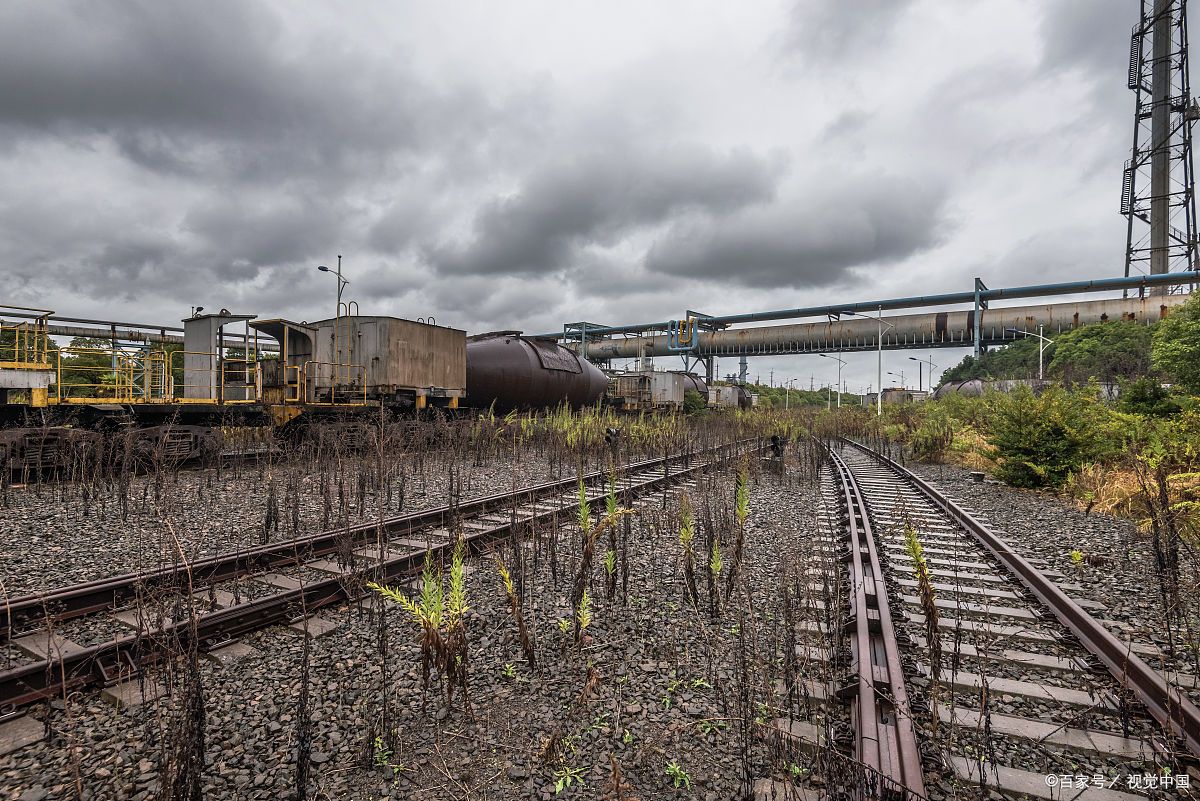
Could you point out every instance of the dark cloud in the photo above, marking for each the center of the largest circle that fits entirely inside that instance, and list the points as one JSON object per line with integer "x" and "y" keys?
{"x": 598, "y": 198}
{"x": 811, "y": 243}
{"x": 217, "y": 89}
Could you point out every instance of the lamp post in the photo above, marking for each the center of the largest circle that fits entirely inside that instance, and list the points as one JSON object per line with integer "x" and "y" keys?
{"x": 920, "y": 363}
{"x": 879, "y": 368}
{"x": 899, "y": 375}
{"x": 1041, "y": 345}
{"x": 787, "y": 386}
{"x": 840, "y": 362}
{"x": 337, "y": 317}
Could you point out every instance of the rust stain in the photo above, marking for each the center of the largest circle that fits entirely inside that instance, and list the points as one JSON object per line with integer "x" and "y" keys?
{"x": 939, "y": 327}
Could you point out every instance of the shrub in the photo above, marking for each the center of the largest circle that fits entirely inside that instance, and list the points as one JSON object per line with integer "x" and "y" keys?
{"x": 693, "y": 402}
{"x": 1147, "y": 396}
{"x": 1041, "y": 440}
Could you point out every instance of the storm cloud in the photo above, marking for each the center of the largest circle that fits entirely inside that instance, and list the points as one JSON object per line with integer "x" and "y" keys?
{"x": 598, "y": 199}
{"x": 522, "y": 165}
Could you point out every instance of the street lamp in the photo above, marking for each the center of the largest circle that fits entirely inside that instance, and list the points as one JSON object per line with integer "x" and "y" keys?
{"x": 879, "y": 369}
{"x": 1041, "y": 345}
{"x": 921, "y": 362}
{"x": 787, "y": 386}
{"x": 840, "y": 363}
{"x": 341, "y": 283}
{"x": 337, "y": 317}
{"x": 899, "y": 375}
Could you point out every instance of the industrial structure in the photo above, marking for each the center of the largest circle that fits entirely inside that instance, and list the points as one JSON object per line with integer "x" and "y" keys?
{"x": 698, "y": 339}
{"x": 1158, "y": 189}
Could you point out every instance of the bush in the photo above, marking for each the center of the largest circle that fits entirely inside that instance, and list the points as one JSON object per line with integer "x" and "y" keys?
{"x": 1147, "y": 396}
{"x": 693, "y": 402}
{"x": 1041, "y": 440}
{"x": 933, "y": 436}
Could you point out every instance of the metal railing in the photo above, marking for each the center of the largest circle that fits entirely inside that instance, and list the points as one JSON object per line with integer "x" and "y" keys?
{"x": 348, "y": 379}
{"x": 80, "y": 376}
{"x": 208, "y": 377}
{"x": 24, "y": 345}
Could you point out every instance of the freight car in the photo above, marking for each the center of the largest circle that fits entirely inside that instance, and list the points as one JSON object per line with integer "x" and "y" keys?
{"x": 507, "y": 371}
{"x": 172, "y": 402}
{"x": 646, "y": 391}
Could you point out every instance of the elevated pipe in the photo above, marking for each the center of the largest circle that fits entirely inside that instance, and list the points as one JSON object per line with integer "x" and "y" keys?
{"x": 953, "y": 329}
{"x": 1138, "y": 282}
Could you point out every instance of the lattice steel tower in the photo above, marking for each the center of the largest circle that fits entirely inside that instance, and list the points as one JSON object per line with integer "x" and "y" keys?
{"x": 1157, "y": 195}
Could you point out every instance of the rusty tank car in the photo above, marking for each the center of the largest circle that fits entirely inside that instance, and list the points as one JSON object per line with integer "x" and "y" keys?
{"x": 508, "y": 371}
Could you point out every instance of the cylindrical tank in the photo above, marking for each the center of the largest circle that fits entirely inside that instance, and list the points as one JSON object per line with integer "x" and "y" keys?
{"x": 971, "y": 388}
{"x": 743, "y": 397}
{"x": 515, "y": 372}
{"x": 695, "y": 383}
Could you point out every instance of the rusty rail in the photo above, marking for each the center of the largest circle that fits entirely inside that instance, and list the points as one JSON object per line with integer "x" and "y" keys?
{"x": 884, "y": 738}
{"x": 78, "y": 600}
{"x": 1166, "y": 703}
{"x": 122, "y": 658}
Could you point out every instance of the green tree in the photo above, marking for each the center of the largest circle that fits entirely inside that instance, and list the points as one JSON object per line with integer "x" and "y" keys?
{"x": 1176, "y": 346}
{"x": 1109, "y": 351}
{"x": 1014, "y": 360}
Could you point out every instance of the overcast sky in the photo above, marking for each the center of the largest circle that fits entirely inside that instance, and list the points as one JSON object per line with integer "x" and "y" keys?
{"x": 519, "y": 165}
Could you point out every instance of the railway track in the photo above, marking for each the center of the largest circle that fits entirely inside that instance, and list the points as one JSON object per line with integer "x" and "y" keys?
{"x": 280, "y": 582}
{"x": 967, "y": 666}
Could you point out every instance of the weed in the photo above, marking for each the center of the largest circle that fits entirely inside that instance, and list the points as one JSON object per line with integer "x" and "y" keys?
{"x": 687, "y": 537}
{"x": 441, "y": 618}
{"x": 679, "y": 776}
{"x": 583, "y": 614}
{"x": 925, "y": 592}
{"x": 509, "y": 671}
{"x": 566, "y": 776}
{"x": 514, "y": 605}
{"x": 715, "y": 563}
{"x": 741, "y": 512}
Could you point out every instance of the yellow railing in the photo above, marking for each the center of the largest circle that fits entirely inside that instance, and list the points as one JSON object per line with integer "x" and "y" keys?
{"x": 24, "y": 346}
{"x": 86, "y": 374}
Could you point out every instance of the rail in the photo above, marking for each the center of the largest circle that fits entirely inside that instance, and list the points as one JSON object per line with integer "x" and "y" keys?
{"x": 885, "y": 741}
{"x": 1167, "y": 704}
{"x": 121, "y": 658}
